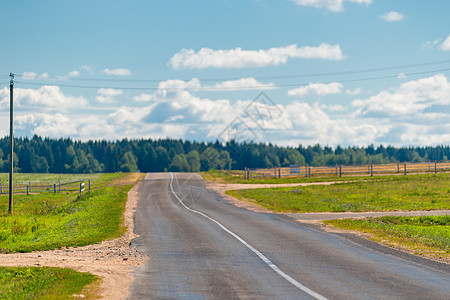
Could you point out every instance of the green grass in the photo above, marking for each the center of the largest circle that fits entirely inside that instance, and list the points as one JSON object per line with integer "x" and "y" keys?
{"x": 223, "y": 176}
{"x": 425, "y": 234}
{"x": 413, "y": 192}
{"x": 49, "y": 221}
{"x": 42, "y": 283}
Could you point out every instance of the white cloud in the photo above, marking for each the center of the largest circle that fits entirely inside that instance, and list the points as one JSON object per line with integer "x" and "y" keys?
{"x": 33, "y": 75}
{"x": 319, "y": 89}
{"x": 248, "y": 83}
{"x": 332, "y": 5}
{"x": 106, "y": 95}
{"x": 117, "y": 72}
{"x": 73, "y": 73}
{"x": 411, "y": 98}
{"x": 109, "y": 92}
{"x": 47, "y": 97}
{"x": 143, "y": 97}
{"x": 446, "y": 44}
{"x": 354, "y": 92}
{"x": 332, "y": 108}
{"x": 414, "y": 113}
{"x": 48, "y": 125}
{"x": 239, "y": 58}
{"x": 392, "y": 16}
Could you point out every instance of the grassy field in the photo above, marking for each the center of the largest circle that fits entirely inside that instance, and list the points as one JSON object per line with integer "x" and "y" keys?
{"x": 223, "y": 176}
{"x": 49, "y": 221}
{"x": 42, "y": 283}
{"x": 390, "y": 193}
{"x": 426, "y": 235}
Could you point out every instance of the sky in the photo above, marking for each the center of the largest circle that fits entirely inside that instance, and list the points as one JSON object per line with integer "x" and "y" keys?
{"x": 286, "y": 72}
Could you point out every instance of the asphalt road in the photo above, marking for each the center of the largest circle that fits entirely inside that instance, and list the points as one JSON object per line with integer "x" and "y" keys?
{"x": 203, "y": 247}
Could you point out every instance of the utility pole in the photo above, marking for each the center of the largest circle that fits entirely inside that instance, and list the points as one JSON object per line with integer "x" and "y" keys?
{"x": 11, "y": 142}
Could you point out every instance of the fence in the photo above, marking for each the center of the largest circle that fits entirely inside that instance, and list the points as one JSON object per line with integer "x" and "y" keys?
{"x": 47, "y": 187}
{"x": 339, "y": 171}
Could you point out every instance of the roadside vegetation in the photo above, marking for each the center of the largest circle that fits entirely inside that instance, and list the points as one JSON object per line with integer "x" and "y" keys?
{"x": 49, "y": 221}
{"x": 43, "y": 283}
{"x": 389, "y": 193}
{"x": 424, "y": 235}
{"x": 236, "y": 176}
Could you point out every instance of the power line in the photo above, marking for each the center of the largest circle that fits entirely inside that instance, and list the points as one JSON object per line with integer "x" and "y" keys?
{"x": 349, "y": 72}
{"x": 212, "y": 88}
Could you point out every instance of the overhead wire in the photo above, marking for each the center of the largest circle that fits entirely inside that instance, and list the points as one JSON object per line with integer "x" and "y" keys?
{"x": 213, "y": 88}
{"x": 349, "y": 72}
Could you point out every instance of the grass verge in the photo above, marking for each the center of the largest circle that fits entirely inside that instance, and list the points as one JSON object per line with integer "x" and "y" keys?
{"x": 43, "y": 283}
{"x": 425, "y": 235}
{"x": 49, "y": 221}
{"x": 236, "y": 176}
{"x": 414, "y": 192}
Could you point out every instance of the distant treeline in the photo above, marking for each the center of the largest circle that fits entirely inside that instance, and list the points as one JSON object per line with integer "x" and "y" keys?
{"x": 38, "y": 155}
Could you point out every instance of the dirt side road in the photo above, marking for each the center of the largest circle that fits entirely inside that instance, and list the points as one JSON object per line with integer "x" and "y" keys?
{"x": 112, "y": 260}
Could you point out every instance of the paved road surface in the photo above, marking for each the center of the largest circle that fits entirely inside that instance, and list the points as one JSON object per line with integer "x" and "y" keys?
{"x": 203, "y": 247}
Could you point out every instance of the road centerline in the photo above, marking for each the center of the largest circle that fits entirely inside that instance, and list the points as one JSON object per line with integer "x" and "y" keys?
{"x": 253, "y": 249}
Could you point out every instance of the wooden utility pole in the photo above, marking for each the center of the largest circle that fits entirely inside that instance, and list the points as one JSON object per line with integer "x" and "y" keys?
{"x": 11, "y": 142}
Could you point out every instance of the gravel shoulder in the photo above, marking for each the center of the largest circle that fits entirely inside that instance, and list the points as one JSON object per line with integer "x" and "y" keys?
{"x": 112, "y": 260}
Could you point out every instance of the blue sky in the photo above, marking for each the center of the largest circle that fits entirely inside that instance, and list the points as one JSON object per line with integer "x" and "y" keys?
{"x": 348, "y": 72}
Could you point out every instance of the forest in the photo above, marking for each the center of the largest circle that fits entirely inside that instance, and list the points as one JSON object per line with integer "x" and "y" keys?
{"x": 64, "y": 155}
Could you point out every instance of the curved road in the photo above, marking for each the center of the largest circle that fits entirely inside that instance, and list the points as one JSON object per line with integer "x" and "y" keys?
{"x": 203, "y": 247}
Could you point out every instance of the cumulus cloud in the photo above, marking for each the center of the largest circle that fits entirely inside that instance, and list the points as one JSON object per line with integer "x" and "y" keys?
{"x": 48, "y": 125}
{"x": 106, "y": 95}
{"x": 143, "y": 97}
{"x": 319, "y": 89}
{"x": 332, "y": 5}
{"x": 117, "y": 72}
{"x": 239, "y": 58}
{"x": 411, "y": 98}
{"x": 414, "y": 113}
{"x": 33, "y": 75}
{"x": 354, "y": 92}
{"x": 248, "y": 83}
{"x": 446, "y": 44}
{"x": 392, "y": 16}
{"x": 73, "y": 73}
{"x": 47, "y": 97}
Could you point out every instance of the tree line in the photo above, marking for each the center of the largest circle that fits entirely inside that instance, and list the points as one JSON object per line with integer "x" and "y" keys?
{"x": 45, "y": 155}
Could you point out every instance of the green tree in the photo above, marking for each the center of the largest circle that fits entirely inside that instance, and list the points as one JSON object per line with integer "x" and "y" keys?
{"x": 193, "y": 159}
{"x": 128, "y": 162}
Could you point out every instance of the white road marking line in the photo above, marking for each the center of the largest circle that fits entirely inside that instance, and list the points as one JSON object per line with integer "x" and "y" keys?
{"x": 254, "y": 250}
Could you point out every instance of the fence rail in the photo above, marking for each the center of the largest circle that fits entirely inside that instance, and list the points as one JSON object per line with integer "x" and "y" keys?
{"x": 47, "y": 187}
{"x": 345, "y": 170}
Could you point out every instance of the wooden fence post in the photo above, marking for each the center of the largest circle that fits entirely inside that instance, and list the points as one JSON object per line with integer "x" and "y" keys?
{"x": 398, "y": 167}
{"x": 371, "y": 169}
{"x": 405, "y": 168}
{"x": 340, "y": 171}
{"x": 435, "y": 168}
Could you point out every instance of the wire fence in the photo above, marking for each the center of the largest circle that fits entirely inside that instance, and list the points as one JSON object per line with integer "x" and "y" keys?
{"x": 47, "y": 187}
{"x": 346, "y": 170}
